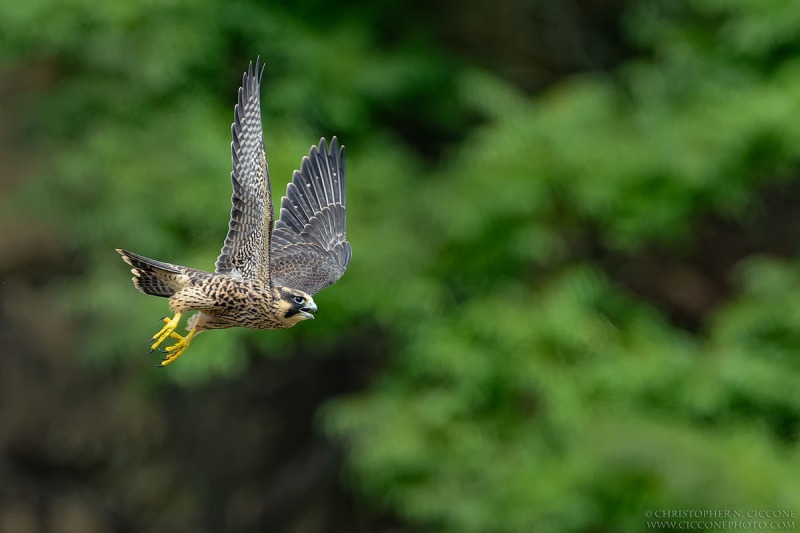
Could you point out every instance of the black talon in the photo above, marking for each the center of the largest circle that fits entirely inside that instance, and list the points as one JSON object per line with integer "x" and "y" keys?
{"x": 162, "y": 351}
{"x": 151, "y": 351}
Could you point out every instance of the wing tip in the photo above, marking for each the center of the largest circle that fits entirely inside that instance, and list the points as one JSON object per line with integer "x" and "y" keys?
{"x": 323, "y": 147}
{"x": 251, "y": 79}
{"x": 334, "y": 150}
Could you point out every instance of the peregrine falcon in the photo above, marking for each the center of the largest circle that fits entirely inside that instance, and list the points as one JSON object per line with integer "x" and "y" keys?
{"x": 265, "y": 277}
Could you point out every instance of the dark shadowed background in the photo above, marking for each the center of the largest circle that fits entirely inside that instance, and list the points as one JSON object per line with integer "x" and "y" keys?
{"x": 574, "y": 296}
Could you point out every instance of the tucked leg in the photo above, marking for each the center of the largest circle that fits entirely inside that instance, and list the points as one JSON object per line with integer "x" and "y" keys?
{"x": 166, "y": 331}
{"x": 177, "y": 349}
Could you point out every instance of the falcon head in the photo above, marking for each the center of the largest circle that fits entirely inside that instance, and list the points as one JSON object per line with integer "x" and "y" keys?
{"x": 295, "y": 305}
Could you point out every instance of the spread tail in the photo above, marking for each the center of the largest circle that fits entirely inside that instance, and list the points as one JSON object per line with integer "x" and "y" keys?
{"x": 154, "y": 277}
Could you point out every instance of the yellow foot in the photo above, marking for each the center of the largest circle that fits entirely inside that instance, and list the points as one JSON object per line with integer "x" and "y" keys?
{"x": 166, "y": 331}
{"x": 177, "y": 349}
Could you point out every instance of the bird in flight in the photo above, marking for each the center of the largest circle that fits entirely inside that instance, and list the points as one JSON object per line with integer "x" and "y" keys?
{"x": 265, "y": 277}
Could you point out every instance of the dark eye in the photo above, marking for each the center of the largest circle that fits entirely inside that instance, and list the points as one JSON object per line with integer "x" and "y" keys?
{"x": 299, "y": 300}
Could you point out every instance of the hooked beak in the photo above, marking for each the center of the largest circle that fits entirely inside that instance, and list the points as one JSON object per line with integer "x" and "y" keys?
{"x": 308, "y": 309}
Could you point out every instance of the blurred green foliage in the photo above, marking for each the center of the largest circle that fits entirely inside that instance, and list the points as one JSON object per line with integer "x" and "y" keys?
{"x": 528, "y": 388}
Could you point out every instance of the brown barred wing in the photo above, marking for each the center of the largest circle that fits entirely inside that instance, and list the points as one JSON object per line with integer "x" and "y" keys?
{"x": 247, "y": 244}
{"x": 309, "y": 243}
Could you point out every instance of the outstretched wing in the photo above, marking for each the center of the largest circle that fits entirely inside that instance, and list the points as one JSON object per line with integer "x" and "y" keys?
{"x": 309, "y": 245}
{"x": 247, "y": 245}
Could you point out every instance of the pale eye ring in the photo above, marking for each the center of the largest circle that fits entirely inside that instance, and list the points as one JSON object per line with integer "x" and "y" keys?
{"x": 299, "y": 300}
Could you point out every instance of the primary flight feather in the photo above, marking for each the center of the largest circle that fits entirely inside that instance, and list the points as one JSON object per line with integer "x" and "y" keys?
{"x": 265, "y": 277}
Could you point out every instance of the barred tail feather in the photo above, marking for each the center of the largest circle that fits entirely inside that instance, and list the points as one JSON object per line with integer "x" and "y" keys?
{"x": 154, "y": 277}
